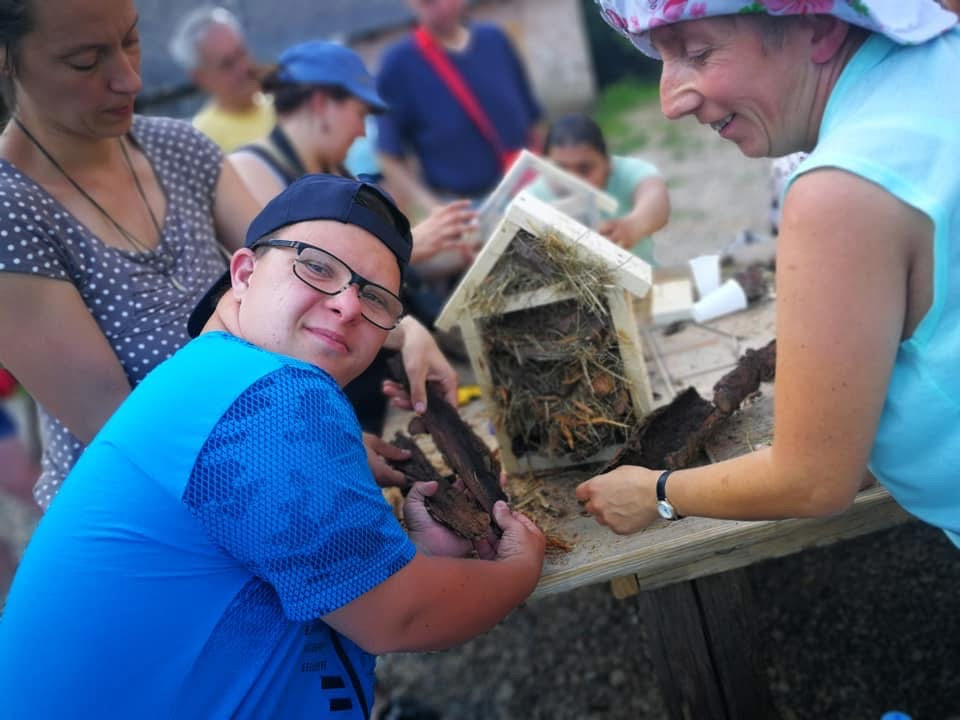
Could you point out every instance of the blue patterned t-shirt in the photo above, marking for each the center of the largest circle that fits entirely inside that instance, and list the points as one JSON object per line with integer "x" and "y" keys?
{"x": 184, "y": 568}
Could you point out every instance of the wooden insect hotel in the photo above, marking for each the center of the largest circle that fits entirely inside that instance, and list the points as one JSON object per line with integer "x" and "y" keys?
{"x": 546, "y": 314}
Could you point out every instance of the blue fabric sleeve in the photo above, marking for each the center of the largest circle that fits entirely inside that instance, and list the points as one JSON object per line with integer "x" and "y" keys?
{"x": 391, "y": 133}
{"x": 282, "y": 485}
{"x": 7, "y": 428}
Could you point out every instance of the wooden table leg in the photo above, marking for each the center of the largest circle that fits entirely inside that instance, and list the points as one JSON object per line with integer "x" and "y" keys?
{"x": 702, "y": 642}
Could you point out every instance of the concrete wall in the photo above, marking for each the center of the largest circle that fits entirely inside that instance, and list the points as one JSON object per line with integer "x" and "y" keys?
{"x": 552, "y": 39}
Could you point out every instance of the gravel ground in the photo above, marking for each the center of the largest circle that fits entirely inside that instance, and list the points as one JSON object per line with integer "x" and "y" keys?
{"x": 849, "y": 631}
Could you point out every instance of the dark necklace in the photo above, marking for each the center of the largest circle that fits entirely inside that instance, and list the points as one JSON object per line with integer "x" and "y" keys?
{"x": 124, "y": 233}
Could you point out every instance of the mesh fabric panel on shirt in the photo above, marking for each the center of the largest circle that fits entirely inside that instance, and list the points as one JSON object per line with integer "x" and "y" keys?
{"x": 282, "y": 485}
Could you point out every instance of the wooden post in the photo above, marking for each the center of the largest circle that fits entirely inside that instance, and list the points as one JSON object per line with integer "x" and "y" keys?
{"x": 624, "y": 587}
{"x": 702, "y": 643}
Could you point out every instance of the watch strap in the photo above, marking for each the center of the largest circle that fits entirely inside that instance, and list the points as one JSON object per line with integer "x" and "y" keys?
{"x": 662, "y": 492}
{"x": 662, "y": 484}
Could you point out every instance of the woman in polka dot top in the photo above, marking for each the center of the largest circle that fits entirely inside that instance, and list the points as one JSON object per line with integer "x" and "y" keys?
{"x": 109, "y": 225}
{"x": 108, "y": 222}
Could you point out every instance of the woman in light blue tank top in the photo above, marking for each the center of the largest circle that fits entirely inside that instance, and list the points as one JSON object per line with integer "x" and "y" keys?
{"x": 868, "y": 282}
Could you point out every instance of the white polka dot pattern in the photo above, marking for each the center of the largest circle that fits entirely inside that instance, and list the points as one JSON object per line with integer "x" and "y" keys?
{"x": 141, "y": 313}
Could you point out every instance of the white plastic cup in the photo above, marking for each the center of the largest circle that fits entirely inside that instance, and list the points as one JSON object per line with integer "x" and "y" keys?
{"x": 706, "y": 273}
{"x": 726, "y": 299}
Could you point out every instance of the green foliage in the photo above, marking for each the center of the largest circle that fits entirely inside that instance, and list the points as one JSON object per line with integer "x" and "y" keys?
{"x": 680, "y": 143}
{"x": 860, "y": 7}
{"x": 629, "y": 131}
{"x": 616, "y": 104}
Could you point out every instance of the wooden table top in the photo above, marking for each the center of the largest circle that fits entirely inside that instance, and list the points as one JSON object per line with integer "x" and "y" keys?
{"x": 669, "y": 552}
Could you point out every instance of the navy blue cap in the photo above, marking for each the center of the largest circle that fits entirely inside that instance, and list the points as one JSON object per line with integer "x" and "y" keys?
{"x": 326, "y": 63}
{"x": 319, "y": 197}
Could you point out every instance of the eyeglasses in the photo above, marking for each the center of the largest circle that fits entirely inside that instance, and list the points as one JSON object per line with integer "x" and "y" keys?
{"x": 328, "y": 274}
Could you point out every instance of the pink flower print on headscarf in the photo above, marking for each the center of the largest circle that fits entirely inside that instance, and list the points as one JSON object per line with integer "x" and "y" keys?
{"x": 671, "y": 12}
{"x": 798, "y": 7}
{"x": 614, "y": 19}
{"x": 906, "y": 22}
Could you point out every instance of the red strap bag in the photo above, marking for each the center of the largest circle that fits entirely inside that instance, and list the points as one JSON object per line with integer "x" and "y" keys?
{"x": 438, "y": 59}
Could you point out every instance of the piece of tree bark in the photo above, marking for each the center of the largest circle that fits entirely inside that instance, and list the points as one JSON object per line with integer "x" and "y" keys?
{"x": 670, "y": 431}
{"x": 455, "y": 508}
{"x": 417, "y": 467}
{"x": 462, "y": 450}
{"x": 673, "y": 436}
{"x": 691, "y": 450}
{"x": 449, "y": 505}
{"x": 753, "y": 282}
{"x": 465, "y": 453}
{"x": 741, "y": 382}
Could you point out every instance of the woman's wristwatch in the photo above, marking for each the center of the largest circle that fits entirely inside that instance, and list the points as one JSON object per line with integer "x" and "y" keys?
{"x": 664, "y": 507}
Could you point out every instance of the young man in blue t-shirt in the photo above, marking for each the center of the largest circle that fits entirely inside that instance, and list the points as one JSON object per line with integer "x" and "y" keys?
{"x": 221, "y": 548}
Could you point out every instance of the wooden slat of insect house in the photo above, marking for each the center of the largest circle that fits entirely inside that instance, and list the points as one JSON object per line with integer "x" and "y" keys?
{"x": 570, "y": 194}
{"x": 547, "y": 318}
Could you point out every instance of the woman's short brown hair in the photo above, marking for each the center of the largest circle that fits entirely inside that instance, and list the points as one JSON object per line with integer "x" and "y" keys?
{"x": 16, "y": 21}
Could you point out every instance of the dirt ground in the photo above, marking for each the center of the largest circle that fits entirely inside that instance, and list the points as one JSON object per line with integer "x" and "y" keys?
{"x": 715, "y": 192}
{"x": 849, "y": 631}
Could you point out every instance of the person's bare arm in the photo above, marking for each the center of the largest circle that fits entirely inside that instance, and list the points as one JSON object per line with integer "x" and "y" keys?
{"x": 233, "y": 208}
{"x": 262, "y": 183}
{"x": 651, "y": 210}
{"x": 437, "y": 602}
{"x": 842, "y": 267}
{"x": 58, "y": 353}
{"x": 651, "y": 205}
{"x": 405, "y": 184}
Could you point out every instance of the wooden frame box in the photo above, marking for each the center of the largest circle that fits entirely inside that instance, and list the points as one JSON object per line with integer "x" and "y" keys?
{"x": 528, "y": 220}
{"x": 574, "y": 197}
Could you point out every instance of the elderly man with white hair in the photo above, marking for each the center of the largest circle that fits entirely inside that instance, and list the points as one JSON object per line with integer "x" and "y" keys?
{"x": 209, "y": 45}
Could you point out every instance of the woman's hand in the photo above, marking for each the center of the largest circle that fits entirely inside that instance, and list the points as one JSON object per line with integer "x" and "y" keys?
{"x": 379, "y": 453}
{"x": 624, "y": 499}
{"x": 445, "y": 228}
{"x": 423, "y": 360}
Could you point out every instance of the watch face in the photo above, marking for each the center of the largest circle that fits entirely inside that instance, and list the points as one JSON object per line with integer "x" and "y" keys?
{"x": 666, "y": 510}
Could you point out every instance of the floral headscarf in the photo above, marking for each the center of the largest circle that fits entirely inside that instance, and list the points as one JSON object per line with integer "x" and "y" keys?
{"x": 907, "y": 22}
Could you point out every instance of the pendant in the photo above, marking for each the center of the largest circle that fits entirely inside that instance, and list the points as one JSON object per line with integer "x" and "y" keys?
{"x": 177, "y": 284}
